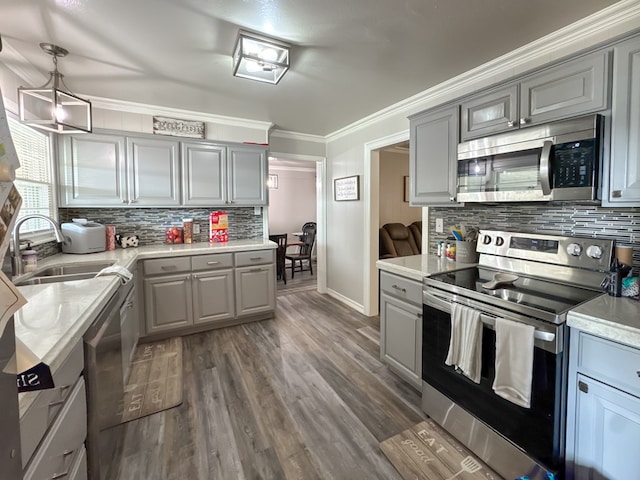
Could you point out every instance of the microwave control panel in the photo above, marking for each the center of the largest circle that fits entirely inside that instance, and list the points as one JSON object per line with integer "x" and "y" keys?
{"x": 574, "y": 164}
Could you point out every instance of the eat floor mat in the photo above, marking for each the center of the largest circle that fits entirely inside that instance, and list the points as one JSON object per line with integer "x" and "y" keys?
{"x": 426, "y": 452}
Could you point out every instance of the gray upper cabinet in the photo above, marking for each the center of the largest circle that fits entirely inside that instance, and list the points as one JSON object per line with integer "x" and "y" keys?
{"x": 433, "y": 156}
{"x": 569, "y": 89}
{"x": 573, "y": 88}
{"x": 489, "y": 113}
{"x": 624, "y": 162}
{"x": 110, "y": 170}
{"x": 153, "y": 172}
{"x": 204, "y": 168}
{"x": 247, "y": 176}
{"x": 92, "y": 170}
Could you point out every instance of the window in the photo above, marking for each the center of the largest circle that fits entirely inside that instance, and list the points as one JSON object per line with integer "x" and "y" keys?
{"x": 34, "y": 179}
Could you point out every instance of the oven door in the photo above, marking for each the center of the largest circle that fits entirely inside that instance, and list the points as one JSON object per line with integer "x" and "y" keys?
{"x": 537, "y": 430}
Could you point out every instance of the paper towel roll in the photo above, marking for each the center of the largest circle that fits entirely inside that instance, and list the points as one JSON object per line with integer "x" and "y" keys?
{"x": 624, "y": 254}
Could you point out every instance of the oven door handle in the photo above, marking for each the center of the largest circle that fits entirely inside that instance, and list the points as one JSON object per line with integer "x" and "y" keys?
{"x": 489, "y": 320}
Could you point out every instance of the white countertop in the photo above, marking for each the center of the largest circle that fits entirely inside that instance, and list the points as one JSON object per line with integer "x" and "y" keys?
{"x": 58, "y": 314}
{"x": 614, "y": 318}
{"x": 419, "y": 266}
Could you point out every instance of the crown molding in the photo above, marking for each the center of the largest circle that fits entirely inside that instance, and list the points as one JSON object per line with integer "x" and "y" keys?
{"x": 20, "y": 66}
{"x": 147, "y": 109}
{"x": 305, "y": 137}
{"x": 577, "y": 36}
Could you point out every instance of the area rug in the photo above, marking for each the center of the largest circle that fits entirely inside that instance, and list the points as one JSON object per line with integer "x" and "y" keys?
{"x": 426, "y": 452}
{"x": 155, "y": 379}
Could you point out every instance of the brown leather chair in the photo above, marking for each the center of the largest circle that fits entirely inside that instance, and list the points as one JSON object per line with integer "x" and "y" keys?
{"x": 416, "y": 231}
{"x": 396, "y": 240}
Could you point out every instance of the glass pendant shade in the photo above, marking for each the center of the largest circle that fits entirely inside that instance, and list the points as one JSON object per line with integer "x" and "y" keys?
{"x": 51, "y": 108}
{"x": 260, "y": 58}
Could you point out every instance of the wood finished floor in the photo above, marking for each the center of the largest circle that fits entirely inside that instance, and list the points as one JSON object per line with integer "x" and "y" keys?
{"x": 301, "y": 396}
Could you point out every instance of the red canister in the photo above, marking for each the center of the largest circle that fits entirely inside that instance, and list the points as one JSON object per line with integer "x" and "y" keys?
{"x": 110, "y": 231}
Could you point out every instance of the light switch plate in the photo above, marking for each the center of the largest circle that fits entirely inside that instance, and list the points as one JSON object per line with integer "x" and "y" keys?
{"x": 257, "y": 210}
{"x": 439, "y": 225}
{"x": 196, "y": 228}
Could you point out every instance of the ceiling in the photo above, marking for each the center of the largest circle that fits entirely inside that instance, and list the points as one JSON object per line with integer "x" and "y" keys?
{"x": 350, "y": 58}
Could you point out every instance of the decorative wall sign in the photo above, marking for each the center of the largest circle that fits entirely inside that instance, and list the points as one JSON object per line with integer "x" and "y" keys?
{"x": 178, "y": 128}
{"x": 346, "y": 188}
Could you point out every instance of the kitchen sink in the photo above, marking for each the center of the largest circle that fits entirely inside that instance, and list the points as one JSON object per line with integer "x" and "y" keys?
{"x": 72, "y": 269}
{"x": 65, "y": 273}
{"x": 56, "y": 278}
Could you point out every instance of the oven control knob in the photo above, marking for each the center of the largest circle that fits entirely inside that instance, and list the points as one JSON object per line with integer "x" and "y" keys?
{"x": 594, "y": 251}
{"x": 574, "y": 249}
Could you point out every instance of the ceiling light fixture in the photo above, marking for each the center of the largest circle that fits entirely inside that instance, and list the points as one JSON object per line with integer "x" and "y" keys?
{"x": 51, "y": 107}
{"x": 260, "y": 58}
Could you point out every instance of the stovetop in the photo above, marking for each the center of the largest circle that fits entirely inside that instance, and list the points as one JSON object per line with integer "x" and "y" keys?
{"x": 530, "y": 295}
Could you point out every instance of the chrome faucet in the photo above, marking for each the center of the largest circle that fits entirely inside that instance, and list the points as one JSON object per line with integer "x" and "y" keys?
{"x": 16, "y": 259}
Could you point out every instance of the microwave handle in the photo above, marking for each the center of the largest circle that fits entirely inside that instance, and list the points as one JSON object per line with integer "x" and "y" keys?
{"x": 545, "y": 167}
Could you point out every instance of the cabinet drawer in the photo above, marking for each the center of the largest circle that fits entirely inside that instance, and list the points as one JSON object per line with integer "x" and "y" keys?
{"x": 61, "y": 445}
{"x": 256, "y": 257}
{"x": 167, "y": 265}
{"x": 42, "y": 412}
{"x": 210, "y": 262}
{"x": 401, "y": 287}
{"x": 613, "y": 363}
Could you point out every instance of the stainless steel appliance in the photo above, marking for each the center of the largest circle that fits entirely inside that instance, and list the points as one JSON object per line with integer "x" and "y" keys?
{"x": 105, "y": 388}
{"x": 555, "y": 274}
{"x": 10, "y": 458}
{"x": 556, "y": 161}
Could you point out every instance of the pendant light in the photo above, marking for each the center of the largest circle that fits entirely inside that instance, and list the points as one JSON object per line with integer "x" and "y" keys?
{"x": 53, "y": 107}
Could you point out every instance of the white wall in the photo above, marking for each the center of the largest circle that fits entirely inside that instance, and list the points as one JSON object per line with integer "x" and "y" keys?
{"x": 293, "y": 203}
{"x": 393, "y": 209}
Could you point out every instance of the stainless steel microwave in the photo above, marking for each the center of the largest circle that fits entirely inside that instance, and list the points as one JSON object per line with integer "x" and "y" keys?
{"x": 555, "y": 161}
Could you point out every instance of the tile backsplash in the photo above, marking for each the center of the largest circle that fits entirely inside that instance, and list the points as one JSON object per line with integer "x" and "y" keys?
{"x": 619, "y": 224}
{"x": 151, "y": 223}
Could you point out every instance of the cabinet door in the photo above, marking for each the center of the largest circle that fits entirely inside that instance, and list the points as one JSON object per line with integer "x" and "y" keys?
{"x": 489, "y": 113}
{"x": 573, "y": 88}
{"x": 255, "y": 289}
{"x": 433, "y": 157}
{"x": 624, "y": 166}
{"x": 213, "y": 296}
{"x": 154, "y": 172}
{"x": 607, "y": 432}
{"x": 92, "y": 170}
{"x": 204, "y": 170}
{"x": 247, "y": 176}
{"x": 401, "y": 338}
{"x": 168, "y": 304}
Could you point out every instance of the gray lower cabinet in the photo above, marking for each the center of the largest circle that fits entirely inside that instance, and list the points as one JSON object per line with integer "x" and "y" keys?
{"x": 624, "y": 162}
{"x": 187, "y": 293}
{"x": 53, "y": 429}
{"x": 401, "y": 326}
{"x": 433, "y": 156}
{"x": 603, "y": 411}
{"x": 572, "y": 88}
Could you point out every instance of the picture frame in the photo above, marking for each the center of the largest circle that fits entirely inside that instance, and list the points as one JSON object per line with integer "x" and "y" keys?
{"x": 346, "y": 188}
{"x": 406, "y": 188}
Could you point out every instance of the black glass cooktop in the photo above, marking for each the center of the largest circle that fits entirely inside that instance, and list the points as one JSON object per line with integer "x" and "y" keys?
{"x": 529, "y": 292}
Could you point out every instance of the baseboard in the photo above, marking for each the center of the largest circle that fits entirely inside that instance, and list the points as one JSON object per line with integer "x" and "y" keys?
{"x": 347, "y": 301}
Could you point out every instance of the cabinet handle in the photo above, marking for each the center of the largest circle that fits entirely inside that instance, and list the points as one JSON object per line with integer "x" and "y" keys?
{"x": 638, "y": 373}
{"x": 194, "y": 276}
{"x": 168, "y": 267}
{"x": 129, "y": 304}
{"x": 212, "y": 263}
{"x": 583, "y": 387}
{"x": 511, "y": 123}
{"x": 419, "y": 315}
{"x": 256, "y": 269}
{"x": 255, "y": 259}
{"x": 616, "y": 194}
{"x": 524, "y": 121}
{"x": 124, "y": 201}
{"x": 56, "y": 403}
{"x": 403, "y": 290}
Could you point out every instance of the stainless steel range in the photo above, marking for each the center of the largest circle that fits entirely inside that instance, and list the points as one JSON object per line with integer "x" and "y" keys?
{"x": 554, "y": 274}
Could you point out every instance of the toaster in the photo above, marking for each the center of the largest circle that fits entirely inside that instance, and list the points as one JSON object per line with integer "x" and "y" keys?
{"x": 86, "y": 237}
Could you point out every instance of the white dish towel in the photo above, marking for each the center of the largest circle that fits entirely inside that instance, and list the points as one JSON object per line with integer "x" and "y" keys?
{"x": 124, "y": 274}
{"x": 465, "y": 346}
{"x": 514, "y": 361}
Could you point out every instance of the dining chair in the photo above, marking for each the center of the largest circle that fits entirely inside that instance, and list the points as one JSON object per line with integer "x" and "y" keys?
{"x": 281, "y": 250}
{"x": 305, "y": 247}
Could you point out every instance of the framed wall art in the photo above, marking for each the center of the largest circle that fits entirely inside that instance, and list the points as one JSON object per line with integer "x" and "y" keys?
{"x": 346, "y": 188}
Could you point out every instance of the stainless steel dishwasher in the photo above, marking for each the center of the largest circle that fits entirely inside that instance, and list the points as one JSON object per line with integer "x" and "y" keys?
{"x": 105, "y": 388}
